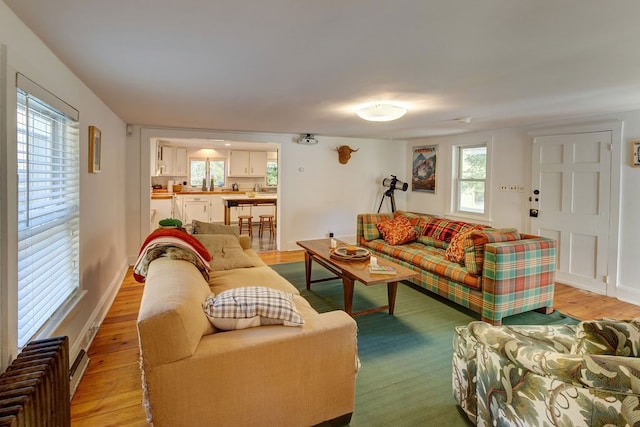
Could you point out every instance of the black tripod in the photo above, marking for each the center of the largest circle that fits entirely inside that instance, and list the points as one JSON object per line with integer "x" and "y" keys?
{"x": 389, "y": 194}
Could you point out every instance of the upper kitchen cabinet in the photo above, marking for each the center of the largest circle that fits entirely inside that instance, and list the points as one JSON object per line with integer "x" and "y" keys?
{"x": 247, "y": 163}
{"x": 170, "y": 161}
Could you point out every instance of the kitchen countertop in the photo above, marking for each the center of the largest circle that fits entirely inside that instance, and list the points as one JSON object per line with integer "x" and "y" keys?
{"x": 163, "y": 194}
{"x": 243, "y": 196}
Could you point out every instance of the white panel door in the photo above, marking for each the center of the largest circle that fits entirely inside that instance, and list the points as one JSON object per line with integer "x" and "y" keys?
{"x": 570, "y": 183}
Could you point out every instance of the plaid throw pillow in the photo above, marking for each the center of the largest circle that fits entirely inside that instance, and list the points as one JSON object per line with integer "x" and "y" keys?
{"x": 444, "y": 229}
{"x": 397, "y": 231}
{"x": 250, "y": 306}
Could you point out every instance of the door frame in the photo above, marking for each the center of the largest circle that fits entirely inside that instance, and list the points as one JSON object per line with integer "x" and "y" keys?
{"x": 616, "y": 128}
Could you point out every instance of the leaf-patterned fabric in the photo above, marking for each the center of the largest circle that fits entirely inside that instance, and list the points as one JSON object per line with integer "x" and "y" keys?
{"x": 532, "y": 375}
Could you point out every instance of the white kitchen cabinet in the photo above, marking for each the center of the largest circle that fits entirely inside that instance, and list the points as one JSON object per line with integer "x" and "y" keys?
{"x": 160, "y": 209}
{"x": 180, "y": 168}
{"x": 216, "y": 213}
{"x": 195, "y": 208}
{"x": 171, "y": 161}
{"x": 257, "y": 163}
{"x": 247, "y": 163}
{"x": 166, "y": 160}
{"x": 239, "y": 163}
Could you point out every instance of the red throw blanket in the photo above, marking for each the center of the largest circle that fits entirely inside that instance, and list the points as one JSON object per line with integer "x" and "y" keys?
{"x": 175, "y": 243}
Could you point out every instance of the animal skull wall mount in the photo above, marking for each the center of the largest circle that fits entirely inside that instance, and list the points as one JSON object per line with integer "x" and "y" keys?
{"x": 344, "y": 153}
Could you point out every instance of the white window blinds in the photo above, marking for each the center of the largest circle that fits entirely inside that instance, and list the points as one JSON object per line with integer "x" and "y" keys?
{"x": 48, "y": 206}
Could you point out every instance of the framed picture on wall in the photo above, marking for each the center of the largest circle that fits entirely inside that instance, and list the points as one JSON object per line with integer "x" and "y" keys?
{"x": 423, "y": 175}
{"x": 95, "y": 150}
{"x": 635, "y": 153}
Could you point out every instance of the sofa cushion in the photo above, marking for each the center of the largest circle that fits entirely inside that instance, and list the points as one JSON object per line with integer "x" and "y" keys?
{"x": 200, "y": 227}
{"x": 226, "y": 252}
{"x": 370, "y": 230}
{"x": 444, "y": 229}
{"x": 455, "y": 250}
{"x": 608, "y": 337}
{"x": 397, "y": 231}
{"x": 426, "y": 258}
{"x": 430, "y": 241}
{"x": 250, "y": 306}
{"x": 474, "y": 247}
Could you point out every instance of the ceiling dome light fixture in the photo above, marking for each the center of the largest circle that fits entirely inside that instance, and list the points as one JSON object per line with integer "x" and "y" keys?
{"x": 381, "y": 112}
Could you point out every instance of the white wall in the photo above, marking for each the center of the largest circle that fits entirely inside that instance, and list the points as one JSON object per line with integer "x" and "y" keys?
{"x": 512, "y": 150}
{"x": 102, "y": 231}
{"x": 510, "y": 155}
{"x": 324, "y": 196}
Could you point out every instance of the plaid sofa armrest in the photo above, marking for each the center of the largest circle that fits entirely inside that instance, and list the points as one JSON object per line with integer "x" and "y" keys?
{"x": 518, "y": 276}
{"x": 366, "y": 226}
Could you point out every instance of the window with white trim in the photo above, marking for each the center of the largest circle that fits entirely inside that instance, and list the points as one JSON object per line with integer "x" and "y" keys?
{"x": 471, "y": 179}
{"x": 48, "y": 206}
{"x": 272, "y": 173}
{"x": 212, "y": 171}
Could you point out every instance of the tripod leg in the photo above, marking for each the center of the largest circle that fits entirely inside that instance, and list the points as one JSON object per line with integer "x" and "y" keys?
{"x": 381, "y": 200}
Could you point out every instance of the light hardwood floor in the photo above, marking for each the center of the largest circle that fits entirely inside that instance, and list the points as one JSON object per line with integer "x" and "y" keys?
{"x": 110, "y": 391}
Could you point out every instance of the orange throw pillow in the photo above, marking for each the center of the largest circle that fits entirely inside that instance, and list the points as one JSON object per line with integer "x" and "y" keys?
{"x": 397, "y": 231}
{"x": 455, "y": 251}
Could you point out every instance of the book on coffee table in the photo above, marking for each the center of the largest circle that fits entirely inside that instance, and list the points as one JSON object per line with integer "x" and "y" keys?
{"x": 382, "y": 269}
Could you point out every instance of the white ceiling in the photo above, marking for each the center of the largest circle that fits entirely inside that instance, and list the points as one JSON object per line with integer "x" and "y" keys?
{"x": 300, "y": 66}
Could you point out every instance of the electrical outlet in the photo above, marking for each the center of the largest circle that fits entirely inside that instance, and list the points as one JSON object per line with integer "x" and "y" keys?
{"x": 513, "y": 187}
{"x": 504, "y": 187}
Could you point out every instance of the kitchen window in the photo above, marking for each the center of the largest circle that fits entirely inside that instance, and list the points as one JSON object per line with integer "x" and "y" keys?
{"x": 272, "y": 173}
{"x": 207, "y": 170}
{"x": 48, "y": 207}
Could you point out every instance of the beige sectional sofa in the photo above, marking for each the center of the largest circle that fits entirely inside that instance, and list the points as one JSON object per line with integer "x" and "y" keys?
{"x": 195, "y": 375}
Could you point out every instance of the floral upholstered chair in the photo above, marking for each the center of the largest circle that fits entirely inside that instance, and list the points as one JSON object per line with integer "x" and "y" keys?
{"x": 561, "y": 375}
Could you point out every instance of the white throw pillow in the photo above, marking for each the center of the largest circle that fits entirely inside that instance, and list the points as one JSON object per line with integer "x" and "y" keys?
{"x": 250, "y": 306}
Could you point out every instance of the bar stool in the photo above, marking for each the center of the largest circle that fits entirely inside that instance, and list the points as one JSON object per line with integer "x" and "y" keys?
{"x": 245, "y": 221}
{"x": 268, "y": 221}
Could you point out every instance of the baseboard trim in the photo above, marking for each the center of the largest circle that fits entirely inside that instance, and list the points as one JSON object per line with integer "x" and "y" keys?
{"x": 88, "y": 332}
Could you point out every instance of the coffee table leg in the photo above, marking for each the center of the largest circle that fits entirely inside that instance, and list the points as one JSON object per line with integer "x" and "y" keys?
{"x": 307, "y": 268}
{"x": 392, "y": 288}
{"x": 347, "y": 285}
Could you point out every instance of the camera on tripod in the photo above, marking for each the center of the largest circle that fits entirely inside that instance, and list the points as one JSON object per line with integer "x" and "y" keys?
{"x": 393, "y": 183}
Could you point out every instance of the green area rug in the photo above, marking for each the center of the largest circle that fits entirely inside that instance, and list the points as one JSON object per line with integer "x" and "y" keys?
{"x": 405, "y": 378}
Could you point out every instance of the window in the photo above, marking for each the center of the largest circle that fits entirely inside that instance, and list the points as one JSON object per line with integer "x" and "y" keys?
{"x": 48, "y": 207}
{"x": 471, "y": 179}
{"x": 207, "y": 170}
{"x": 272, "y": 172}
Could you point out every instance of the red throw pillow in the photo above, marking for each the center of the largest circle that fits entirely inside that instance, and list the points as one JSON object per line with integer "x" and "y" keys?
{"x": 397, "y": 231}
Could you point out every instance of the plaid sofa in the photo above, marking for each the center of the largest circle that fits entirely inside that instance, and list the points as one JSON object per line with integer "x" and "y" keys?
{"x": 584, "y": 374}
{"x": 498, "y": 276}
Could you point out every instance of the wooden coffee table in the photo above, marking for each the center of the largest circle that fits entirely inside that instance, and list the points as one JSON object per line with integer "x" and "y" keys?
{"x": 320, "y": 252}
